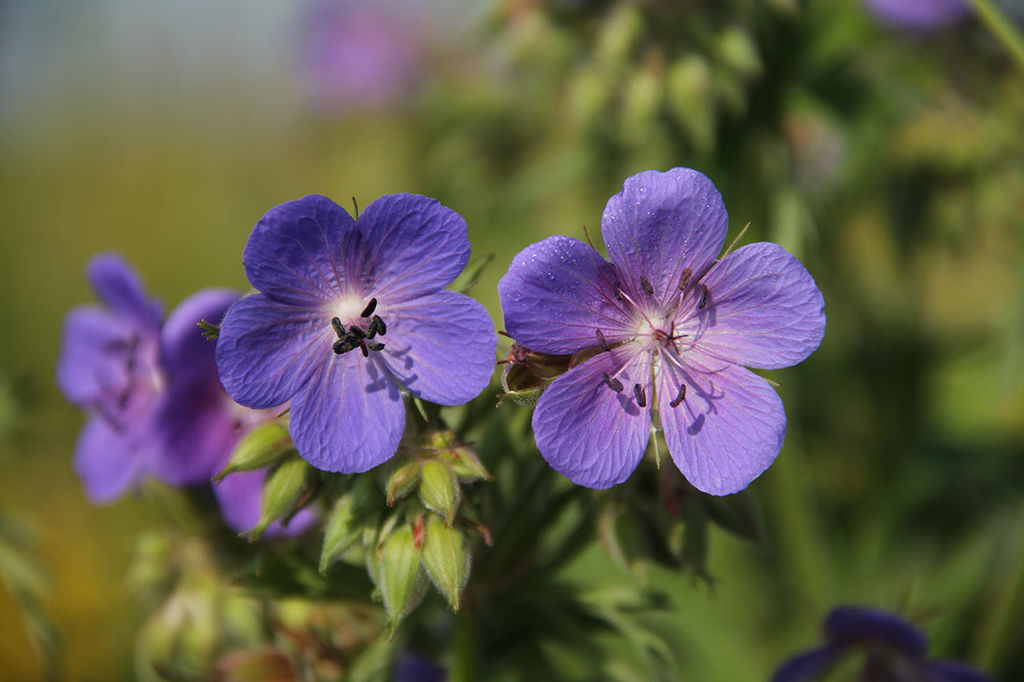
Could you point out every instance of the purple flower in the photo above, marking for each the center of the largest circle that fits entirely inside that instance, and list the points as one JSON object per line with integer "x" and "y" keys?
{"x": 362, "y": 54}
{"x": 348, "y": 311}
{"x": 667, "y": 328}
{"x": 895, "y": 651}
{"x": 919, "y": 15}
{"x": 412, "y": 668}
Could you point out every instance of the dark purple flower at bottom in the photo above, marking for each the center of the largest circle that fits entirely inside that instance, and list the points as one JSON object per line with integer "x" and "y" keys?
{"x": 893, "y": 650}
{"x": 411, "y": 668}
{"x": 919, "y": 15}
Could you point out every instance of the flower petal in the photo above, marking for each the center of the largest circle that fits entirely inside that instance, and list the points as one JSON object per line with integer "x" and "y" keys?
{"x": 441, "y": 347}
{"x": 267, "y": 351}
{"x": 852, "y": 625}
{"x": 185, "y": 353}
{"x": 196, "y": 430}
{"x": 119, "y": 288}
{"x": 807, "y": 667}
{"x": 240, "y": 495}
{"x": 87, "y": 368}
{"x": 350, "y": 416}
{"x": 662, "y": 224}
{"x": 107, "y": 461}
{"x": 299, "y": 252}
{"x": 727, "y": 430}
{"x": 588, "y": 432}
{"x": 414, "y": 245}
{"x": 763, "y": 309}
{"x": 557, "y": 293}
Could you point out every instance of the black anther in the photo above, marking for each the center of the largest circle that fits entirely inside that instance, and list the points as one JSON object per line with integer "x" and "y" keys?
{"x": 612, "y": 382}
{"x": 680, "y": 397}
{"x": 356, "y": 332}
{"x": 339, "y": 328}
{"x": 641, "y": 395}
{"x": 646, "y": 284}
{"x": 601, "y": 341}
{"x": 618, "y": 291}
{"x": 366, "y": 352}
{"x": 344, "y": 345}
{"x": 377, "y": 326}
{"x": 684, "y": 279}
{"x": 370, "y": 307}
{"x": 375, "y": 346}
{"x": 703, "y": 302}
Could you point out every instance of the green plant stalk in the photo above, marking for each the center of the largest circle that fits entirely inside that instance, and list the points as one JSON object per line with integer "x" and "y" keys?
{"x": 1002, "y": 615}
{"x": 1002, "y": 28}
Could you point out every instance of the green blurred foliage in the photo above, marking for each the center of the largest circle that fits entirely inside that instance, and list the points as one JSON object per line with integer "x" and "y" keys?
{"x": 891, "y": 164}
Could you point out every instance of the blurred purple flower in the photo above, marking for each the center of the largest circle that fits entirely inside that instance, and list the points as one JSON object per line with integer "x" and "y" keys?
{"x": 411, "y": 668}
{"x": 895, "y": 652}
{"x": 666, "y": 326}
{"x": 919, "y": 15}
{"x": 361, "y": 55}
{"x": 348, "y": 311}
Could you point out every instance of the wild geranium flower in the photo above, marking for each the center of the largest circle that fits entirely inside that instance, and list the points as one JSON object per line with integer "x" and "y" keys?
{"x": 894, "y": 651}
{"x": 669, "y": 330}
{"x": 347, "y": 311}
{"x": 919, "y": 15}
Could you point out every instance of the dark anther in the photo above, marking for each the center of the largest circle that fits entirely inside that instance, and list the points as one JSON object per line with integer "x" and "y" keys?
{"x": 375, "y": 346}
{"x": 641, "y": 395}
{"x": 684, "y": 279}
{"x": 679, "y": 398}
{"x": 618, "y": 291}
{"x": 612, "y": 382}
{"x": 703, "y": 302}
{"x": 339, "y": 328}
{"x": 366, "y": 351}
{"x": 646, "y": 284}
{"x": 377, "y": 326}
{"x": 356, "y": 332}
{"x": 601, "y": 341}
{"x": 370, "y": 307}
{"x": 345, "y": 345}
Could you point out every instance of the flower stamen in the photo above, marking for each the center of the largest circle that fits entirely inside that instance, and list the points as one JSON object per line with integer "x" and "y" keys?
{"x": 602, "y": 342}
{"x": 612, "y": 382}
{"x": 641, "y": 395}
{"x": 370, "y": 307}
{"x": 680, "y": 397}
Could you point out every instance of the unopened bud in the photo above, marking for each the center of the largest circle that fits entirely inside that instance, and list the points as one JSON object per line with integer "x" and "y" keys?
{"x": 466, "y": 465}
{"x": 261, "y": 447}
{"x": 402, "y": 480}
{"x": 438, "y": 489}
{"x": 446, "y": 560}
{"x": 341, "y": 532}
{"x": 281, "y": 492}
{"x": 398, "y": 567}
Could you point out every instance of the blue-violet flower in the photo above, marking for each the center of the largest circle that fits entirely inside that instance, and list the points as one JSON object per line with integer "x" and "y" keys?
{"x": 894, "y": 652}
{"x": 667, "y": 327}
{"x": 347, "y": 311}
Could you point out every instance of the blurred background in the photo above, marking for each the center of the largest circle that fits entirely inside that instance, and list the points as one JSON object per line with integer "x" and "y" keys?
{"x": 881, "y": 141}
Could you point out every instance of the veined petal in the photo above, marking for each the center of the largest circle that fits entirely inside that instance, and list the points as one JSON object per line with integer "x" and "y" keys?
{"x": 414, "y": 245}
{"x": 557, "y": 293}
{"x": 88, "y": 368}
{"x": 763, "y": 309}
{"x": 726, "y": 431}
{"x": 662, "y": 224}
{"x": 119, "y": 287}
{"x": 588, "y": 432}
{"x": 107, "y": 461}
{"x": 185, "y": 353}
{"x": 267, "y": 351}
{"x": 297, "y": 252}
{"x": 350, "y": 417}
{"x": 196, "y": 431}
{"x": 852, "y": 625}
{"x": 440, "y": 346}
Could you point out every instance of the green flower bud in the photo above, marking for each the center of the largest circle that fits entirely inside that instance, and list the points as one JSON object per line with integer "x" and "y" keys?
{"x": 737, "y": 50}
{"x": 439, "y": 490}
{"x": 342, "y": 530}
{"x": 688, "y": 91}
{"x": 261, "y": 447}
{"x": 446, "y": 560}
{"x": 401, "y": 481}
{"x": 619, "y": 34}
{"x": 399, "y": 576}
{"x": 281, "y": 492}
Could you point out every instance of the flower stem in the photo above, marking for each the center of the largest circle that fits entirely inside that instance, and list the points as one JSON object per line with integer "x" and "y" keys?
{"x": 1002, "y": 28}
{"x": 465, "y": 648}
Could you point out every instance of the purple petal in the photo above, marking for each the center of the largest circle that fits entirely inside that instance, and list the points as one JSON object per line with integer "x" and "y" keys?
{"x": 727, "y": 430}
{"x": 185, "y": 352}
{"x": 557, "y": 293}
{"x": 239, "y": 496}
{"x": 197, "y": 430}
{"x": 107, "y": 461}
{"x": 808, "y": 666}
{"x": 954, "y": 671}
{"x": 119, "y": 288}
{"x": 849, "y": 625}
{"x": 586, "y": 431}
{"x": 441, "y": 347}
{"x": 414, "y": 246}
{"x": 85, "y": 371}
{"x": 350, "y": 416}
{"x": 764, "y": 309}
{"x": 662, "y": 224}
{"x": 301, "y": 252}
{"x": 267, "y": 351}
{"x": 919, "y": 15}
